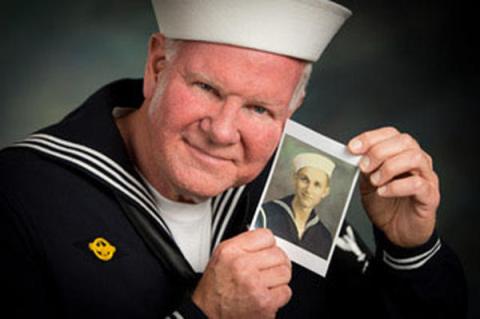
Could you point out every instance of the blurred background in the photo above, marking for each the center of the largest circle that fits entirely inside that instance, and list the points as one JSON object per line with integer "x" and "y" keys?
{"x": 410, "y": 64}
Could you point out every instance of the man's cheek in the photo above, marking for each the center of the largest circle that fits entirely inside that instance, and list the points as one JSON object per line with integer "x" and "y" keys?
{"x": 267, "y": 136}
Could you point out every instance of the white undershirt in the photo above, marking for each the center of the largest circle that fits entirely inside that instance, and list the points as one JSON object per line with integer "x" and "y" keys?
{"x": 190, "y": 225}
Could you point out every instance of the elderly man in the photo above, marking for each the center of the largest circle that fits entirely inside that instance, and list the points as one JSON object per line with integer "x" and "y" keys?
{"x": 294, "y": 217}
{"x": 136, "y": 204}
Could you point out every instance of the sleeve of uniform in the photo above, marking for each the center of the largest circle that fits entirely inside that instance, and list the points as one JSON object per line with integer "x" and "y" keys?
{"x": 421, "y": 282}
{"x": 187, "y": 310}
{"x": 25, "y": 285}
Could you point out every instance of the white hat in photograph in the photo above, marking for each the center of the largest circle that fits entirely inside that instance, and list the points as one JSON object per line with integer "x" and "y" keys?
{"x": 298, "y": 28}
{"x": 314, "y": 160}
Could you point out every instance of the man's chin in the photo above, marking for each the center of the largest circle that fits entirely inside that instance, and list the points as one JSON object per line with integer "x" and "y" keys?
{"x": 306, "y": 204}
{"x": 201, "y": 183}
{"x": 198, "y": 195}
{"x": 203, "y": 187}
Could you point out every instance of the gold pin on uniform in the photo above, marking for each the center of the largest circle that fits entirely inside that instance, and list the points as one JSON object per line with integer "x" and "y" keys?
{"x": 102, "y": 249}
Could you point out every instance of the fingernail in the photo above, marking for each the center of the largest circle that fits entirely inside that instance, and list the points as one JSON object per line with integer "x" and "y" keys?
{"x": 382, "y": 190}
{"x": 356, "y": 145}
{"x": 375, "y": 178}
{"x": 365, "y": 163}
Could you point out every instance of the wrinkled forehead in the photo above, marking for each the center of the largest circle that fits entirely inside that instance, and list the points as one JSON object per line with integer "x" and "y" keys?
{"x": 231, "y": 50}
{"x": 240, "y": 66}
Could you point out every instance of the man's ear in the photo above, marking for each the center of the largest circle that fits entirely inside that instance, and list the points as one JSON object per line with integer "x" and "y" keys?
{"x": 155, "y": 63}
{"x": 327, "y": 192}
{"x": 297, "y": 106}
{"x": 294, "y": 177}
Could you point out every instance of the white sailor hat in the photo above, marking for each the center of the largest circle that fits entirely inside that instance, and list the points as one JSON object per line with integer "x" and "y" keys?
{"x": 298, "y": 28}
{"x": 314, "y": 160}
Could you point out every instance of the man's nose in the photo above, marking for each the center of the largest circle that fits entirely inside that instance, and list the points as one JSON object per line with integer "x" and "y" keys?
{"x": 309, "y": 189}
{"x": 222, "y": 126}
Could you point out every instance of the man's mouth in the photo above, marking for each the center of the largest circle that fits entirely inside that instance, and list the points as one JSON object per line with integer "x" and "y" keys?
{"x": 205, "y": 156}
{"x": 306, "y": 196}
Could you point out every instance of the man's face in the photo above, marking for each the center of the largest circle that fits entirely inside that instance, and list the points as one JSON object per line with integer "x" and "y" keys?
{"x": 311, "y": 186}
{"x": 219, "y": 118}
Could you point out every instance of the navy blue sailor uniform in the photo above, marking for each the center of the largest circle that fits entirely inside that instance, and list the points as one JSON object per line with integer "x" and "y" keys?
{"x": 82, "y": 238}
{"x": 278, "y": 216}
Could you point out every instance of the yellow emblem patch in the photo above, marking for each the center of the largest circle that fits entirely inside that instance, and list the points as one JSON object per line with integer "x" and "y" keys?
{"x": 102, "y": 249}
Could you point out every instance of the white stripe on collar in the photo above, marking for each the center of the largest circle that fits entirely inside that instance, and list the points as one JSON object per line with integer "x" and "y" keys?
{"x": 285, "y": 207}
{"x": 104, "y": 168}
{"x": 312, "y": 222}
{"x": 96, "y": 157}
{"x": 217, "y": 213}
{"x": 113, "y": 174}
{"x": 226, "y": 217}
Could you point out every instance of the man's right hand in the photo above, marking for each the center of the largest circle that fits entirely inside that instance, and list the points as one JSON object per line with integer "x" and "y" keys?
{"x": 247, "y": 277}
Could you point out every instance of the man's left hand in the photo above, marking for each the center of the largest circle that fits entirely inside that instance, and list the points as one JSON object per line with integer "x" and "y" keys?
{"x": 399, "y": 189}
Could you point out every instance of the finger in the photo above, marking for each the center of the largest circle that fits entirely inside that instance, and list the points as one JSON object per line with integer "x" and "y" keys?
{"x": 385, "y": 149}
{"x": 253, "y": 240}
{"x": 411, "y": 162}
{"x": 280, "y": 295}
{"x": 276, "y": 276}
{"x": 362, "y": 143}
{"x": 270, "y": 257}
{"x": 417, "y": 186}
{"x": 248, "y": 263}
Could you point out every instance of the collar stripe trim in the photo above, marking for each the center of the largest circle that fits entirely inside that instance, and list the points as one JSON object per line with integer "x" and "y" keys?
{"x": 411, "y": 262}
{"x": 286, "y": 207}
{"x": 218, "y": 213}
{"x": 228, "y": 216}
{"x": 104, "y": 166}
{"x": 111, "y": 172}
{"x": 94, "y": 171}
{"x": 216, "y": 201}
{"x": 312, "y": 222}
{"x": 264, "y": 218}
{"x": 99, "y": 156}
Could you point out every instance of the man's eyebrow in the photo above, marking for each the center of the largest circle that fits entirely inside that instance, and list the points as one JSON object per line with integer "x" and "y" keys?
{"x": 202, "y": 77}
{"x": 260, "y": 101}
{"x": 193, "y": 75}
{"x": 256, "y": 101}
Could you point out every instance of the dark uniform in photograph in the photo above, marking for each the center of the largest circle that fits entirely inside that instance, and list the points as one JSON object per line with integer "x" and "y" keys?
{"x": 311, "y": 177}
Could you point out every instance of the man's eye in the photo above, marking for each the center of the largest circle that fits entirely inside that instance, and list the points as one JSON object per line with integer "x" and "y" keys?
{"x": 207, "y": 88}
{"x": 259, "y": 109}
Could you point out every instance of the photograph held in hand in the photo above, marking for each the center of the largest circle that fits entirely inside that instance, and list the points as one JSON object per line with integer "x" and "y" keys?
{"x": 307, "y": 194}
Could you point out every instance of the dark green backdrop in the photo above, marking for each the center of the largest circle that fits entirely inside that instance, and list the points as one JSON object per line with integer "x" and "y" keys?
{"x": 411, "y": 64}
